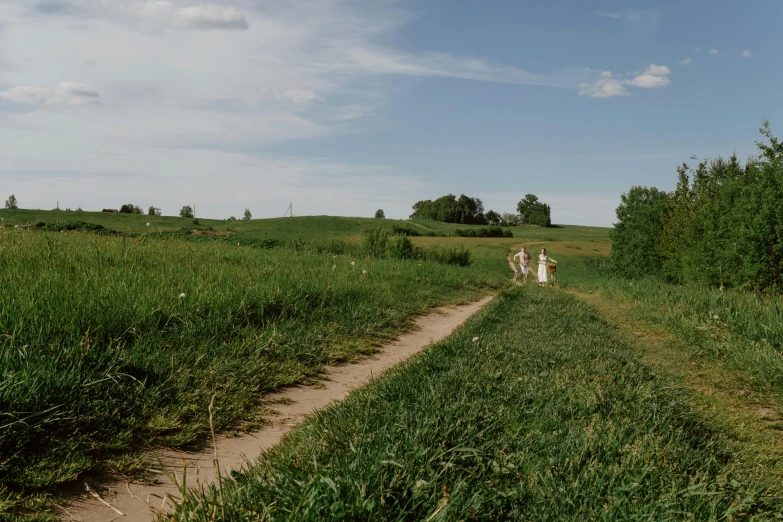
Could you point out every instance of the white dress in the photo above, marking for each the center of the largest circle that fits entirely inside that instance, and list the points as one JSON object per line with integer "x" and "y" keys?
{"x": 542, "y": 273}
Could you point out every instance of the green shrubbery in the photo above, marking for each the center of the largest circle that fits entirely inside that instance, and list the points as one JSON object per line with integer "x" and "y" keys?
{"x": 377, "y": 244}
{"x": 722, "y": 225}
{"x": 484, "y": 232}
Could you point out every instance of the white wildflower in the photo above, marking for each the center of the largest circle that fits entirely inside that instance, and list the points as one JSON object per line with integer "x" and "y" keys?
{"x": 353, "y": 263}
{"x": 182, "y": 295}
{"x": 148, "y": 224}
{"x": 364, "y": 272}
{"x": 715, "y": 317}
{"x": 475, "y": 339}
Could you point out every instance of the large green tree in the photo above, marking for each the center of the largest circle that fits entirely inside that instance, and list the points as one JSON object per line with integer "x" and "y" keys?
{"x": 450, "y": 209}
{"x": 637, "y": 232}
{"x": 532, "y": 211}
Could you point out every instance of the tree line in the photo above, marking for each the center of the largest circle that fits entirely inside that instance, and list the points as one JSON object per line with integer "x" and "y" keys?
{"x": 470, "y": 211}
{"x": 721, "y": 226}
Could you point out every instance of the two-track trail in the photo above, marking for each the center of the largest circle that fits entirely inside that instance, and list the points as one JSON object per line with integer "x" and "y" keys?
{"x": 119, "y": 499}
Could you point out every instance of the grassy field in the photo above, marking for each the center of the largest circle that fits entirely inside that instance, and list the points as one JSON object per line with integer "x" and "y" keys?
{"x": 111, "y": 343}
{"x": 536, "y": 410}
{"x": 625, "y": 399}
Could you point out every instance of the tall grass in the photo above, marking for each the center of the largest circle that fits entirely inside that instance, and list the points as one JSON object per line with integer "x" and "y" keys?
{"x": 533, "y": 411}
{"x": 740, "y": 329}
{"x": 111, "y": 342}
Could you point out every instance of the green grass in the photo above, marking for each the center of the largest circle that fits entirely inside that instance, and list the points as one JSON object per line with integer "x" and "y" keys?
{"x": 546, "y": 417}
{"x": 100, "y": 352}
{"x": 305, "y": 227}
{"x": 739, "y": 330}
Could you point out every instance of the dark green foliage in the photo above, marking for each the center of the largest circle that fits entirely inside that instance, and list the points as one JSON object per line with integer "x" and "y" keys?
{"x": 402, "y": 248}
{"x": 11, "y": 203}
{"x": 127, "y": 209}
{"x": 449, "y": 209}
{"x": 637, "y": 232}
{"x": 407, "y": 230}
{"x": 376, "y": 241}
{"x": 545, "y": 417}
{"x": 484, "y": 232}
{"x": 534, "y": 212}
{"x": 247, "y": 216}
{"x": 379, "y": 214}
{"x": 186, "y": 212}
{"x": 492, "y": 217}
{"x": 153, "y": 211}
{"x": 722, "y": 225}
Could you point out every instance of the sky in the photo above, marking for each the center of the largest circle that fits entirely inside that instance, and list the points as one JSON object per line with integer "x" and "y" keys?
{"x": 342, "y": 107}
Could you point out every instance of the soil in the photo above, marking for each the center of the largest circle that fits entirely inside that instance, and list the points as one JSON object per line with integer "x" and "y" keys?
{"x": 108, "y": 498}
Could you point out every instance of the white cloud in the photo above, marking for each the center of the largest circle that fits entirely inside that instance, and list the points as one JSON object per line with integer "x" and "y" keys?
{"x": 653, "y": 76}
{"x": 657, "y": 70}
{"x": 647, "y": 81}
{"x": 713, "y": 51}
{"x": 605, "y": 14}
{"x": 747, "y": 54}
{"x": 605, "y": 87}
{"x": 685, "y": 61}
{"x": 212, "y": 16}
{"x": 69, "y": 93}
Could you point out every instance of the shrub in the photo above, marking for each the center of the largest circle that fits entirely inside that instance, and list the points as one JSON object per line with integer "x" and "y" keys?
{"x": 403, "y": 248}
{"x": 399, "y": 230}
{"x": 375, "y": 241}
{"x": 484, "y": 232}
{"x": 458, "y": 255}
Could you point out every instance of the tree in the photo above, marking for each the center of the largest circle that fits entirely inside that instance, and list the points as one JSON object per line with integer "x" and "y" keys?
{"x": 128, "y": 208}
{"x": 493, "y": 217}
{"x": 11, "y": 203}
{"x": 449, "y": 209}
{"x": 247, "y": 215}
{"x": 531, "y": 209}
{"x": 137, "y": 209}
{"x": 510, "y": 219}
{"x": 379, "y": 214}
{"x": 637, "y": 233}
{"x": 153, "y": 211}
{"x": 186, "y": 212}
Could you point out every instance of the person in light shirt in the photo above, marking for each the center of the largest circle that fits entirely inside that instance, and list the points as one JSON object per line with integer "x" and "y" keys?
{"x": 543, "y": 260}
{"x": 524, "y": 262}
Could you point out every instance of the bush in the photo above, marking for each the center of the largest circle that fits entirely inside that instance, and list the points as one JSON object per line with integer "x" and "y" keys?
{"x": 402, "y": 248}
{"x": 484, "y": 232}
{"x": 375, "y": 241}
{"x": 458, "y": 255}
{"x": 126, "y": 209}
{"x": 399, "y": 230}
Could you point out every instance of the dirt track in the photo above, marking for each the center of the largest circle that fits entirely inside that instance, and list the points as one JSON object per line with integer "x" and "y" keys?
{"x": 118, "y": 499}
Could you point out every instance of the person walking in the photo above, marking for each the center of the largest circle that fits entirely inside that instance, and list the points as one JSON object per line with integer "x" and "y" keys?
{"x": 543, "y": 273}
{"x": 524, "y": 262}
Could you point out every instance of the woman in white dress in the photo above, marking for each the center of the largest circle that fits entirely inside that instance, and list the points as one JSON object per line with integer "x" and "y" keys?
{"x": 543, "y": 274}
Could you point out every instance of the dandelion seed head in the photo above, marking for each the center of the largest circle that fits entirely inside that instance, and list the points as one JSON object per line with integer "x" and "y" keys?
{"x": 182, "y": 295}
{"x": 353, "y": 263}
{"x": 364, "y": 272}
{"x": 148, "y": 224}
{"x": 715, "y": 317}
{"x": 475, "y": 339}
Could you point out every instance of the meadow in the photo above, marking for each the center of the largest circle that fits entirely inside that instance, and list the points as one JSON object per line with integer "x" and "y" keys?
{"x": 535, "y": 410}
{"x": 603, "y": 398}
{"x": 114, "y": 343}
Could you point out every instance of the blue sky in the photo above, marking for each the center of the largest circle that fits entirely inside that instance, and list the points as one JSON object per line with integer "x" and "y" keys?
{"x": 344, "y": 106}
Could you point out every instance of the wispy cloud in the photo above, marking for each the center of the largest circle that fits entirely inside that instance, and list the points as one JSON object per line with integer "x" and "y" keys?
{"x": 606, "y": 14}
{"x": 746, "y": 54}
{"x": 685, "y": 61}
{"x": 605, "y": 87}
{"x": 68, "y": 93}
{"x": 713, "y": 51}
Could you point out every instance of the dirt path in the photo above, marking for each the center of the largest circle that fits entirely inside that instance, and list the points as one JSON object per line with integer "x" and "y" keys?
{"x": 118, "y": 499}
